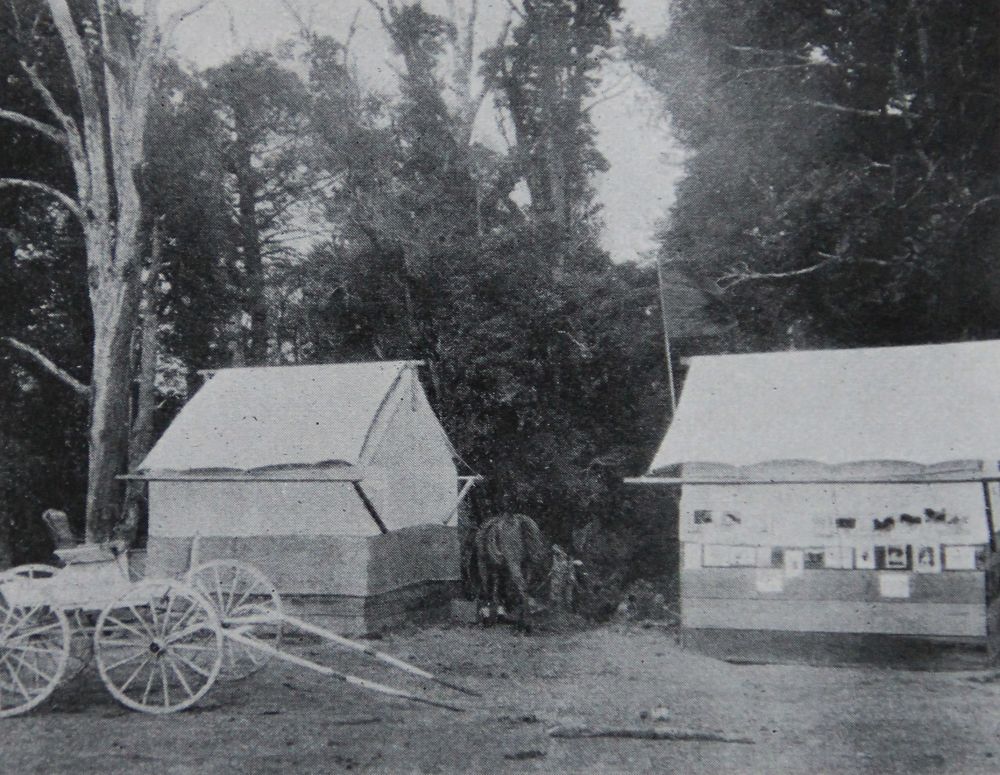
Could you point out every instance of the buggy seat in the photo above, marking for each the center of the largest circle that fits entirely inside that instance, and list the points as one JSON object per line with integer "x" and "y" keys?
{"x": 72, "y": 551}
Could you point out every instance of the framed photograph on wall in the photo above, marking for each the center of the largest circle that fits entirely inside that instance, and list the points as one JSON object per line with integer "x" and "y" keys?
{"x": 927, "y": 558}
{"x": 897, "y": 557}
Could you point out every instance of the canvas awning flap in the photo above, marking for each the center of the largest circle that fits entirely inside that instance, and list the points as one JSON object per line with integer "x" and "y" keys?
{"x": 257, "y": 418}
{"x": 922, "y": 404}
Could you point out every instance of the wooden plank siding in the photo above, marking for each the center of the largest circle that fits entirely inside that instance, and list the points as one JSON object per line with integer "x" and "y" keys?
{"x": 955, "y": 619}
{"x": 836, "y": 601}
{"x": 325, "y": 565}
{"x": 847, "y": 585}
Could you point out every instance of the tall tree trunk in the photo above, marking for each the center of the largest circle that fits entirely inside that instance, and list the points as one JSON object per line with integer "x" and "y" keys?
{"x": 143, "y": 427}
{"x": 253, "y": 263}
{"x": 113, "y": 302}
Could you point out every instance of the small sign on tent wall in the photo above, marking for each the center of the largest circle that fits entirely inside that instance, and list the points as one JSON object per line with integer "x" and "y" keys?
{"x": 928, "y": 559}
{"x": 770, "y": 580}
{"x": 894, "y": 585}
{"x": 795, "y": 563}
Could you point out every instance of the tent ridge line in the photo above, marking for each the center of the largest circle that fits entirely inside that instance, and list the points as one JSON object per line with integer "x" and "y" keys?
{"x": 404, "y": 368}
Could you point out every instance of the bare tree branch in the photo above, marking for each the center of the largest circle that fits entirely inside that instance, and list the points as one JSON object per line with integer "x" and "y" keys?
{"x": 46, "y": 363}
{"x": 65, "y": 119}
{"x": 381, "y": 14}
{"x": 93, "y": 188}
{"x": 41, "y": 127}
{"x": 848, "y": 109}
{"x": 72, "y": 138}
{"x": 177, "y": 17}
{"x": 70, "y": 203}
{"x": 981, "y": 203}
{"x": 765, "y": 51}
{"x": 744, "y": 274}
{"x": 607, "y": 97}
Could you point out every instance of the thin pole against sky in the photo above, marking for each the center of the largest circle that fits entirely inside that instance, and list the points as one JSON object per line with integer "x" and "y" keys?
{"x": 666, "y": 337}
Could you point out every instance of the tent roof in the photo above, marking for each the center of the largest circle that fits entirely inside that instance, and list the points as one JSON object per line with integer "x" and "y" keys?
{"x": 923, "y": 404}
{"x": 249, "y": 418}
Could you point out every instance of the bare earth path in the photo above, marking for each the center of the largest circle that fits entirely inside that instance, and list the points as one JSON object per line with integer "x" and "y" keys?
{"x": 801, "y": 719}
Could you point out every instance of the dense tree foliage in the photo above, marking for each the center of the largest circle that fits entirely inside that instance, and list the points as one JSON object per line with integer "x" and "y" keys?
{"x": 545, "y": 74}
{"x": 543, "y": 356}
{"x": 843, "y": 186}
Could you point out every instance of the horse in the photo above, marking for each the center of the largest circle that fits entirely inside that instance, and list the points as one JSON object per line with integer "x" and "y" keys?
{"x": 510, "y": 551}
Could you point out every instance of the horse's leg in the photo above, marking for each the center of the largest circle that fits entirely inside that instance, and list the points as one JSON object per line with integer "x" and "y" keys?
{"x": 494, "y": 594}
{"x": 520, "y": 591}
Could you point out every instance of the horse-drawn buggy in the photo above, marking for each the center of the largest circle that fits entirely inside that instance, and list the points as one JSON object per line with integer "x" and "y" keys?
{"x": 159, "y": 644}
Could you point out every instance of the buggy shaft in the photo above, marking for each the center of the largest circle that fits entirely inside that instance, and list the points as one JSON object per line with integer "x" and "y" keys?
{"x": 353, "y": 680}
{"x": 333, "y": 637}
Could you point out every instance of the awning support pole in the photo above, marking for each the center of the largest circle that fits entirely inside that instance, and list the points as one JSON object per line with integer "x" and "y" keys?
{"x": 989, "y": 515}
{"x": 370, "y": 507}
{"x": 469, "y": 483}
{"x": 666, "y": 338}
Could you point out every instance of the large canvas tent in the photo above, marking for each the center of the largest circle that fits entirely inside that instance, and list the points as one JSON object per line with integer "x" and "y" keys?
{"x": 334, "y": 480}
{"x": 838, "y": 495}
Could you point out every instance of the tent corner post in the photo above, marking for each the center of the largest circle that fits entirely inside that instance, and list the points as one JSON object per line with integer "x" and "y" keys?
{"x": 468, "y": 482}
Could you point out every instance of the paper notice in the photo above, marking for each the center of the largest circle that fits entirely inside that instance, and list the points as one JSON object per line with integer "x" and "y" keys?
{"x": 840, "y": 557}
{"x": 744, "y": 556}
{"x": 692, "y": 556}
{"x": 795, "y": 563}
{"x": 960, "y": 558}
{"x": 770, "y": 580}
{"x": 894, "y": 585}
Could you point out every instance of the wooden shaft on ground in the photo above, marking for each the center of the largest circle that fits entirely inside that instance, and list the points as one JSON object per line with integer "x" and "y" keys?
{"x": 329, "y": 671}
{"x": 388, "y": 659}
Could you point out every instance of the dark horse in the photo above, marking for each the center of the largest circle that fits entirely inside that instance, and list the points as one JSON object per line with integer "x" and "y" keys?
{"x": 511, "y": 557}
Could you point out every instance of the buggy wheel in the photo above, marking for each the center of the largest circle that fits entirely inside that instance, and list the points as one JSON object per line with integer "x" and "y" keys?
{"x": 158, "y": 647}
{"x": 34, "y": 650}
{"x": 245, "y": 602}
{"x": 81, "y": 650}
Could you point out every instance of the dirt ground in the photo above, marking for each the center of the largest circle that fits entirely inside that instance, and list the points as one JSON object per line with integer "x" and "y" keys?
{"x": 799, "y": 719}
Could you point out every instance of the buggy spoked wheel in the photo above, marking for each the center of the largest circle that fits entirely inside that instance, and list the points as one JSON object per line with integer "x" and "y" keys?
{"x": 81, "y": 651}
{"x": 158, "y": 647}
{"x": 34, "y": 650}
{"x": 246, "y": 602}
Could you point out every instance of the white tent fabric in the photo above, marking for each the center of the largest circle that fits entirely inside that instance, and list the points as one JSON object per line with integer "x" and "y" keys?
{"x": 250, "y": 418}
{"x": 923, "y": 404}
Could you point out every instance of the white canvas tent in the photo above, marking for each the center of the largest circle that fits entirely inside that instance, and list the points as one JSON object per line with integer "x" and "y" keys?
{"x": 924, "y": 404}
{"x": 838, "y": 460}
{"x": 334, "y": 479}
